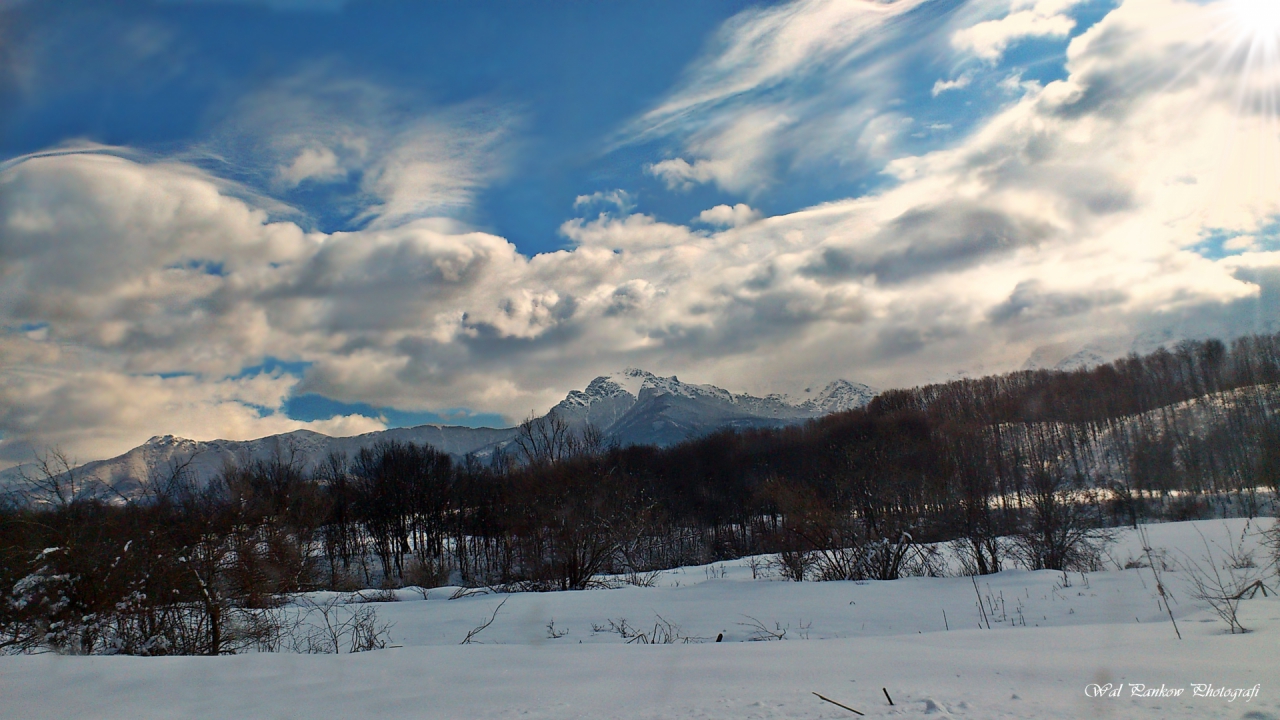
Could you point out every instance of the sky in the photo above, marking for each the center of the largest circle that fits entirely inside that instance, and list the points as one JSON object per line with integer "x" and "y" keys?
{"x": 233, "y": 218}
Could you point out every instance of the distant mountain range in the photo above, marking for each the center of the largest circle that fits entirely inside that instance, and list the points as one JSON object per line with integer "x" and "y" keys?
{"x": 631, "y": 407}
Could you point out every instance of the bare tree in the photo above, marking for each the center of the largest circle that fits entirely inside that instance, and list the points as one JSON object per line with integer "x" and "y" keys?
{"x": 55, "y": 480}
{"x": 545, "y": 440}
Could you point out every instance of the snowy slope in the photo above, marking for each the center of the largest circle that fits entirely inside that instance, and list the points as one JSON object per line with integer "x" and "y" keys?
{"x": 846, "y": 641}
{"x": 837, "y": 396}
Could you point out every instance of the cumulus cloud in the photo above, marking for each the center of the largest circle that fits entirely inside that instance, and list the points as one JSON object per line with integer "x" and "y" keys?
{"x": 620, "y": 199}
{"x": 728, "y": 215}
{"x": 679, "y": 173}
{"x": 1242, "y": 242}
{"x": 1043, "y": 18}
{"x": 1078, "y": 206}
{"x": 311, "y": 163}
{"x": 94, "y": 413}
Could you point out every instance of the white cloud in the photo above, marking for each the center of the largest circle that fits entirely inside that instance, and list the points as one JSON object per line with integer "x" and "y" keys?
{"x": 772, "y": 46}
{"x": 1071, "y": 210}
{"x": 800, "y": 88}
{"x": 739, "y": 149}
{"x": 95, "y": 413}
{"x": 679, "y": 173}
{"x": 1242, "y": 242}
{"x": 1014, "y": 84}
{"x": 320, "y": 127}
{"x": 311, "y": 163}
{"x": 959, "y": 83}
{"x": 787, "y": 85}
{"x": 728, "y": 216}
{"x": 620, "y": 199}
{"x": 433, "y": 169}
{"x": 989, "y": 39}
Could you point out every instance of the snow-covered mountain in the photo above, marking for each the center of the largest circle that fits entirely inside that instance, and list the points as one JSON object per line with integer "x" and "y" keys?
{"x": 634, "y": 407}
{"x": 837, "y": 396}
{"x": 206, "y": 458}
{"x": 631, "y": 407}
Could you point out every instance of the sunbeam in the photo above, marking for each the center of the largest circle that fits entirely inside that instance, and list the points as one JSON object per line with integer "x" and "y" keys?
{"x": 1260, "y": 17}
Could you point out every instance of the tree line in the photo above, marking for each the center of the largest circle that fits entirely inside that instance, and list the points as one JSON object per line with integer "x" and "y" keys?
{"x": 1026, "y": 468}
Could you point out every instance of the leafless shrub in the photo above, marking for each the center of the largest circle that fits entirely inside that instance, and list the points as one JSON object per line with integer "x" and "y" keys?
{"x": 466, "y": 592}
{"x": 553, "y": 633}
{"x": 663, "y": 632}
{"x": 426, "y": 573}
{"x": 333, "y": 626}
{"x": 1187, "y": 507}
{"x": 642, "y": 579}
{"x": 471, "y": 634}
{"x": 879, "y": 559}
{"x": 1224, "y": 584}
{"x": 273, "y": 629}
{"x": 971, "y": 563}
{"x": 927, "y": 561}
{"x": 1134, "y": 564}
{"x": 793, "y": 564}
{"x": 372, "y": 596}
{"x": 1271, "y": 540}
{"x": 1073, "y": 548}
{"x": 56, "y": 480}
{"x": 634, "y": 578}
{"x": 761, "y": 632}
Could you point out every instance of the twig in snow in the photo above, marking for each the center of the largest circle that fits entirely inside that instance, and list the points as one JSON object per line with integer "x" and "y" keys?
{"x": 761, "y": 632}
{"x": 465, "y": 592}
{"x": 1146, "y": 546}
{"x": 481, "y": 628}
{"x": 833, "y": 702}
{"x": 981, "y": 609}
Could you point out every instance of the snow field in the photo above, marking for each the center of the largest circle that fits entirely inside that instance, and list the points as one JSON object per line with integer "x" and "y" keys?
{"x": 843, "y": 640}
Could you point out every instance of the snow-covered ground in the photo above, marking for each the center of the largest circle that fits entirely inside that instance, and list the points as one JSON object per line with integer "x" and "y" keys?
{"x": 1049, "y": 641}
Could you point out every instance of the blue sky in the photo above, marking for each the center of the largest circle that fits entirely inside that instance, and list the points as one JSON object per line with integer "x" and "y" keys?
{"x": 170, "y": 78}
{"x": 166, "y": 77}
{"x": 247, "y": 217}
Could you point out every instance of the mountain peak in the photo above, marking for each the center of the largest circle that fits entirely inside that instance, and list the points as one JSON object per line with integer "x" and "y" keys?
{"x": 609, "y": 397}
{"x": 167, "y": 441}
{"x": 632, "y": 379}
{"x": 838, "y": 396}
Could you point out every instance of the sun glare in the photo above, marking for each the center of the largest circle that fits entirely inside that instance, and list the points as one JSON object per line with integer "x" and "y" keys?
{"x": 1259, "y": 17}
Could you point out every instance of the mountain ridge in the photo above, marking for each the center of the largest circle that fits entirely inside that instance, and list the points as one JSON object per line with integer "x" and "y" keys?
{"x": 630, "y": 407}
